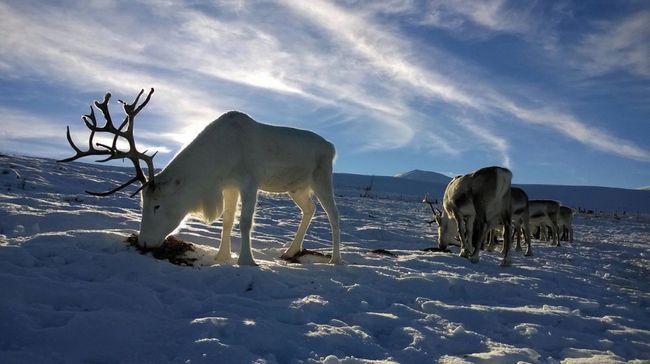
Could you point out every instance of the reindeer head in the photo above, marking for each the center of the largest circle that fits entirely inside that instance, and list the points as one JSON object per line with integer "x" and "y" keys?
{"x": 446, "y": 226}
{"x": 447, "y": 230}
{"x": 154, "y": 215}
{"x": 161, "y": 210}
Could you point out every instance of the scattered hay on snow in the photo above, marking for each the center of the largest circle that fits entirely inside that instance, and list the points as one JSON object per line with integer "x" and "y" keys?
{"x": 173, "y": 249}
{"x": 309, "y": 256}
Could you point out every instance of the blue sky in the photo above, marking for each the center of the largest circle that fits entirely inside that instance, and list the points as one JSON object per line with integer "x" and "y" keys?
{"x": 559, "y": 92}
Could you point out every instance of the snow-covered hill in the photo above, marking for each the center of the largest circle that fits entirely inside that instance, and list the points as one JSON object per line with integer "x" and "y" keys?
{"x": 74, "y": 292}
{"x": 425, "y": 176}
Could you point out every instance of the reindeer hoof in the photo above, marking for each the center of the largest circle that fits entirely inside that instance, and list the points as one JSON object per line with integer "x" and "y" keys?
{"x": 249, "y": 262}
{"x": 222, "y": 258}
{"x": 464, "y": 253}
{"x": 528, "y": 253}
{"x": 474, "y": 259}
{"x": 286, "y": 256}
{"x": 506, "y": 263}
{"x": 518, "y": 249}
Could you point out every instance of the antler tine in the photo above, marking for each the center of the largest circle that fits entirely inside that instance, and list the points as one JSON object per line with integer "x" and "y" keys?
{"x": 128, "y": 108}
{"x": 118, "y": 188}
{"x": 103, "y": 107}
{"x": 73, "y": 145}
{"x": 80, "y": 153}
{"x": 133, "y": 109}
{"x": 92, "y": 124}
{"x": 144, "y": 103}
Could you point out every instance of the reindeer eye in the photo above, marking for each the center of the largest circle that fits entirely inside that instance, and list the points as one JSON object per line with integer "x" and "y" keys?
{"x": 156, "y": 207}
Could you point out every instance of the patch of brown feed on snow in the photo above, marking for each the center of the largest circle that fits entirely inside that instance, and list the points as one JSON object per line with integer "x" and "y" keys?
{"x": 172, "y": 250}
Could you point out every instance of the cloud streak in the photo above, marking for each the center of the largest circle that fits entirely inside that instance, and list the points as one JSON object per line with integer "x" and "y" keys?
{"x": 572, "y": 128}
{"x": 618, "y": 46}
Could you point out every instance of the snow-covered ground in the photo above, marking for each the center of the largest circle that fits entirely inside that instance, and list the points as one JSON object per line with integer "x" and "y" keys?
{"x": 73, "y": 291}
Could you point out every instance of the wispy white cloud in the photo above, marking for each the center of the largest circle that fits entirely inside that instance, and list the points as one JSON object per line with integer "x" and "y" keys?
{"x": 384, "y": 51}
{"x": 622, "y": 45}
{"x": 493, "y": 15}
{"x": 462, "y": 17}
{"x": 489, "y": 139}
{"x": 569, "y": 126}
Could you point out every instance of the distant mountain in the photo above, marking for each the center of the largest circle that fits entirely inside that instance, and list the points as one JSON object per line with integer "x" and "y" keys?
{"x": 425, "y": 176}
{"x": 645, "y": 188}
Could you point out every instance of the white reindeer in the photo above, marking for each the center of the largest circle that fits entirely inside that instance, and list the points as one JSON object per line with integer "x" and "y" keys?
{"x": 233, "y": 157}
{"x": 474, "y": 203}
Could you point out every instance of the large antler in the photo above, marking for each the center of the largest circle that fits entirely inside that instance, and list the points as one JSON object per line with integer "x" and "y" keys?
{"x": 125, "y": 131}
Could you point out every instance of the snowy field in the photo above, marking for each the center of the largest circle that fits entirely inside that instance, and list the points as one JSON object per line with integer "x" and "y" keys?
{"x": 73, "y": 291}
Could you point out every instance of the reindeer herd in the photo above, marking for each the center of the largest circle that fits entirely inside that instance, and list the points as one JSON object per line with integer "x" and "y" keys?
{"x": 234, "y": 157}
{"x": 479, "y": 205}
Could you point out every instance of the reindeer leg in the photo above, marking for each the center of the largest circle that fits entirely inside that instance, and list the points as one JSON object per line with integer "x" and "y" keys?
{"x": 491, "y": 240}
{"x": 465, "y": 233}
{"x": 248, "y": 202}
{"x": 555, "y": 231}
{"x": 479, "y": 234}
{"x": 507, "y": 243}
{"x": 517, "y": 230}
{"x": 230, "y": 207}
{"x": 325, "y": 194}
{"x": 302, "y": 198}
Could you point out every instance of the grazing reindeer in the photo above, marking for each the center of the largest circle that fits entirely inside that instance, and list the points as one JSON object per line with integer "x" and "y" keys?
{"x": 233, "y": 157}
{"x": 544, "y": 213}
{"x": 447, "y": 227}
{"x": 564, "y": 223}
{"x": 474, "y": 203}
